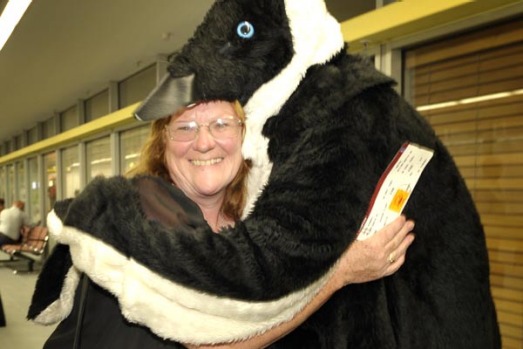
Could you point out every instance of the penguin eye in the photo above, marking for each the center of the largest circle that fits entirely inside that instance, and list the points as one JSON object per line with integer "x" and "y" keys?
{"x": 245, "y": 30}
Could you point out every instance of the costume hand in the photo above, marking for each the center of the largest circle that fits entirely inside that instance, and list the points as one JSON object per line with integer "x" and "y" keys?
{"x": 380, "y": 255}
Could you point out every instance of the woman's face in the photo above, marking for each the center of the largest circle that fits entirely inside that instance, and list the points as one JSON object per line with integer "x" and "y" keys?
{"x": 204, "y": 166}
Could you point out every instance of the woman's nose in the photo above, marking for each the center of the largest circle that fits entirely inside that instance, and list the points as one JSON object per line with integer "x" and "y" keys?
{"x": 204, "y": 140}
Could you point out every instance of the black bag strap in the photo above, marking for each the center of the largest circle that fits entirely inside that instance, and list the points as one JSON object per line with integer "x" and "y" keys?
{"x": 81, "y": 310}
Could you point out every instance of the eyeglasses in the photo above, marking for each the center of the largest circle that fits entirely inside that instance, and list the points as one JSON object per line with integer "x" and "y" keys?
{"x": 221, "y": 128}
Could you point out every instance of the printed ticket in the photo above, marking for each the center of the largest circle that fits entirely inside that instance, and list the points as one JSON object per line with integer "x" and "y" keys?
{"x": 394, "y": 188}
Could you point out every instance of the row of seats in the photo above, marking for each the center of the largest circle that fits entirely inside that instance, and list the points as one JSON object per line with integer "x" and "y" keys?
{"x": 32, "y": 248}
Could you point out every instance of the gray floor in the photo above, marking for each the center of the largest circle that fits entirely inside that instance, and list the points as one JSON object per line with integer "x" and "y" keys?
{"x": 16, "y": 291}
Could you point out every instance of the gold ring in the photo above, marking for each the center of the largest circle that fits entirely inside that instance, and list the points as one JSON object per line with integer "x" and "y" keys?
{"x": 391, "y": 258}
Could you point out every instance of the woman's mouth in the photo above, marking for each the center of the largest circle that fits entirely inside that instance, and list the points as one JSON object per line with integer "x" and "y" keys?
{"x": 206, "y": 162}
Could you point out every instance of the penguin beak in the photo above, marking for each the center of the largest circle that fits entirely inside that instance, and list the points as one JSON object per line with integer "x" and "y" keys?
{"x": 166, "y": 98}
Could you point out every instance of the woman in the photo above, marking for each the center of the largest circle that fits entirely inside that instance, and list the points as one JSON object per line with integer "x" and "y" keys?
{"x": 198, "y": 150}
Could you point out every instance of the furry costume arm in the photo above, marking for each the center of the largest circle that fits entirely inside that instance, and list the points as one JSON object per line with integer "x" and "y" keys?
{"x": 99, "y": 209}
{"x": 258, "y": 258}
{"x": 275, "y": 261}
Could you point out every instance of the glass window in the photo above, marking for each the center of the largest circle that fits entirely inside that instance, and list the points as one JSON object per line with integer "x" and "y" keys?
{"x": 32, "y": 135}
{"x": 18, "y": 142}
{"x": 98, "y": 158}
{"x": 11, "y": 195}
{"x": 9, "y": 146}
{"x": 470, "y": 88}
{"x": 70, "y": 172}
{"x": 3, "y": 189}
{"x": 35, "y": 211}
{"x": 131, "y": 143}
{"x": 49, "y": 128}
{"x": 69, "y": 118}
{"x": 97, "y": 106}
{"x": 137, "y": 87}
{"x": 343, "y": 10}
{"x": 21, "y": 180}
{"x": 50, "y": 177}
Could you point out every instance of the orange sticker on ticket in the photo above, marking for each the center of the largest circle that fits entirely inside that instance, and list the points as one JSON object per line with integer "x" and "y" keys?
{"x": 399, "y": 200}
{"x": 394, "y": 188}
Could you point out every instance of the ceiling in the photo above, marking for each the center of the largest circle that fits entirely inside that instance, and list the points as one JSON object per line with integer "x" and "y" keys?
{"x": 66, "y": 50}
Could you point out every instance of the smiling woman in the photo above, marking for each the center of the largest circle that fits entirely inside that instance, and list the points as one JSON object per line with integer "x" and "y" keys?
{"x": 202, "y": 161}
{"x": 192, "y": 150}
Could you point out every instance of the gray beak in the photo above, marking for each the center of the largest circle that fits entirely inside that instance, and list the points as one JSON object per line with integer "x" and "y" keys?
{"x": 168, "y": 96}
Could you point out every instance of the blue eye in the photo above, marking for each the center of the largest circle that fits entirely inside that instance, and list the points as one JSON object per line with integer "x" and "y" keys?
{"x": 245, "y": 30}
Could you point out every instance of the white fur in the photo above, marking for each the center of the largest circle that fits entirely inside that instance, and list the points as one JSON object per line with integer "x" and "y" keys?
{"x": 316, "y": 37}
{"x": 172, "y": 310}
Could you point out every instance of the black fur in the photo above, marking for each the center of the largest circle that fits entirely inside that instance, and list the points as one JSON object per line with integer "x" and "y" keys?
{"x": 227, "y": 66}
{"x": 50, "y": 281}
{"x": 441, "y": 297}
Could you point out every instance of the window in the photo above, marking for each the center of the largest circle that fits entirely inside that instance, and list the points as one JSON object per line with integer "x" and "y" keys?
{"x": 3, "y": 190}
{"x": 97, "y": 106}
{"x": 17, "y": 142}
{"x": 98, "y": 156}
{"x": 33, "y": 135}
{"x": 11, "y": 194}
{"x": 470, "y": 88}
{"x": 8, "y": 146}
{"x": 21, "y": 180}
{"x": 35, "y": 210}
{"x": 69, "y": 119}
{"x": 50, "y": 178}
{"x": 49, "y": 128}
{"x": 131, "y": 143}
{"x": 343, "y": 10}
{"x": 70, "y": 172}
{"x": 137, "y": 87}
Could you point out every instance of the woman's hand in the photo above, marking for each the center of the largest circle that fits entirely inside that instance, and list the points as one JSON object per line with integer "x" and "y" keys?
{"x": 378, "y": 256}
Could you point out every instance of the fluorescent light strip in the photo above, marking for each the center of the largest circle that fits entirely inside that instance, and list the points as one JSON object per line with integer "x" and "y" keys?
{"x": 132, "y": 156}
{"x": 13, "y": 12}
{"x": 100, "y": 161}
{"x": 469, "y": 100}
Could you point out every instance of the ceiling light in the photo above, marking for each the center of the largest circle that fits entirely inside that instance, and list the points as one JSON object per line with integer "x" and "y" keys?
{"x": 13, "y": 11}
{"x": 470, "y": 100}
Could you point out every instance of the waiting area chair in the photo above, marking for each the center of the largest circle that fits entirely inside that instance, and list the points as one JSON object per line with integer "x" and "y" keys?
{"x": 32, "y": 248}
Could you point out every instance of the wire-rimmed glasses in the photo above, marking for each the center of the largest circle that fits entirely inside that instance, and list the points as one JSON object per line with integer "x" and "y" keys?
{"x": 220, "y": 128}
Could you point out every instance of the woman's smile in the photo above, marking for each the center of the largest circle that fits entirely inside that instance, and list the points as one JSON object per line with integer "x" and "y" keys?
{"x": 203, "y": 160}
{"x": 206, "y": 162}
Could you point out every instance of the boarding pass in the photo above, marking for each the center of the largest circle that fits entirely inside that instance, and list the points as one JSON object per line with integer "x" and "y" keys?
{"x": 394, "y": 188}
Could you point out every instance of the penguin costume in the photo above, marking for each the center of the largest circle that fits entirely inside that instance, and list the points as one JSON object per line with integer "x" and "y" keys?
{"x": 322, "y": 126}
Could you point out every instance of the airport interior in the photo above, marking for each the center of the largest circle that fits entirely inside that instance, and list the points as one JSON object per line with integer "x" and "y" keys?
{"x": 73, "y": 72}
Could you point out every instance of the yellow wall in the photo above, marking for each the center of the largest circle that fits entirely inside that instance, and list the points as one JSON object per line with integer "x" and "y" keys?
{"x": 408, "y": 17}
{"x": 107, "y": 123}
